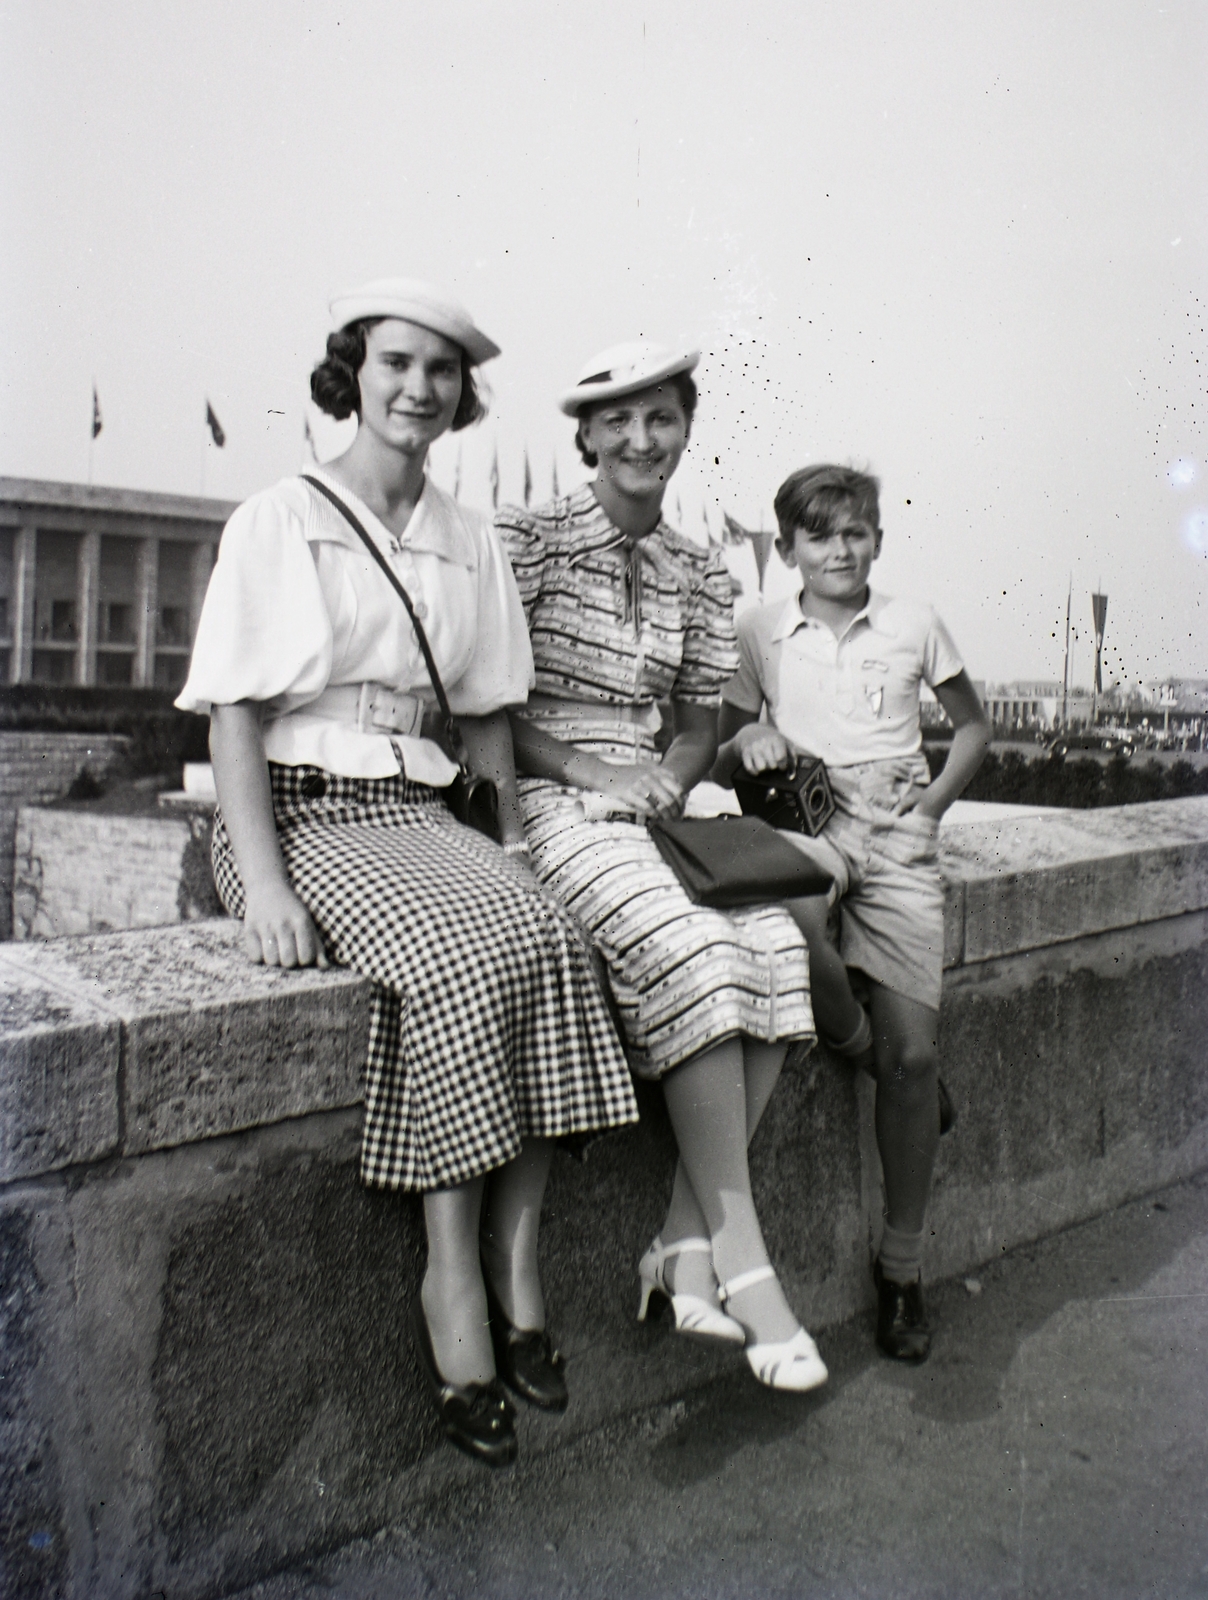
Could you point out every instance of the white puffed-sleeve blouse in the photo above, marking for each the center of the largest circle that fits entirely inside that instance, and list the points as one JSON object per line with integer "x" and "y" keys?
{"x": 296, "y": 605}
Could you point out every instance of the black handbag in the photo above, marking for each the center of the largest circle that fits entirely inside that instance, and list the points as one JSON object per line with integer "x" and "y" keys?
{"x": 725, "y": 862}
{"x": 472, "y": 799}
{"x": 798, "y": 800}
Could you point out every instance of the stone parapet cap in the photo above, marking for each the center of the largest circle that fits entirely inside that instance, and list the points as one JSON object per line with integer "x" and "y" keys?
{"x": 1021, "y": 884}
{"x": 112, "y": 1045}
{"x": 116, "y": 1044}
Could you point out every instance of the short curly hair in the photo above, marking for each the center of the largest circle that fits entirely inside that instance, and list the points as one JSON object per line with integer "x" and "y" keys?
{"x": 681, "y": 382}
{"x": 334, "y": 387}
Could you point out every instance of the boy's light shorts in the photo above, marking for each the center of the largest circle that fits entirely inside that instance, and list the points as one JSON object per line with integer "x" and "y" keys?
{"x": 887, "y": 877}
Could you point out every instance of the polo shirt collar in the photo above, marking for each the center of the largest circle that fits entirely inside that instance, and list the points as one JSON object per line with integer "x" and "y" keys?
{"x": 791, "y": 619}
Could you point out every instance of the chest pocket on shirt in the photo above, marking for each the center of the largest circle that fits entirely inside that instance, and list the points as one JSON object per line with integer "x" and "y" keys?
{"x": 872, "y": 680}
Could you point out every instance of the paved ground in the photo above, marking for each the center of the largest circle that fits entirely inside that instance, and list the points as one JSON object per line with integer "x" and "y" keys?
{"x": 1056, "y": 1444}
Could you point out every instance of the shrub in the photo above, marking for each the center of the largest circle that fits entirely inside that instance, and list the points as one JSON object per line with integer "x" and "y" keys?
{"x": 1011, "y": 779}
{"x": 161, "y": 738}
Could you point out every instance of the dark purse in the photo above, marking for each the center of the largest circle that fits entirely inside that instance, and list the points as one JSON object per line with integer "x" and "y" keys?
{"x": 472, "y": 799}
{"x": 798, "y": 800}
{"x": 726, "y": 862}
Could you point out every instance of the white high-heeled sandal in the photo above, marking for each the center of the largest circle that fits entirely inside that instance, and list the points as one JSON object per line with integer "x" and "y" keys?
{"x": 693, "y": 1315}
{"x": 794, "y": 1364}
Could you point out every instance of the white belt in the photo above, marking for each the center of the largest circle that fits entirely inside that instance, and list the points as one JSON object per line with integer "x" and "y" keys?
{"x": 371, "y": 708}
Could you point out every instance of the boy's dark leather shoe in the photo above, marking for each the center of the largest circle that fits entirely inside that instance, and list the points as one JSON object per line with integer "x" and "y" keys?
{"x": 525, "y": 1358}
{"x": 902, "y": 1328}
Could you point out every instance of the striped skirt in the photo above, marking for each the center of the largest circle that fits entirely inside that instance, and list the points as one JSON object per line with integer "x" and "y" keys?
{"x": 684, "y": 977}
{"x": 487, "y": 1025}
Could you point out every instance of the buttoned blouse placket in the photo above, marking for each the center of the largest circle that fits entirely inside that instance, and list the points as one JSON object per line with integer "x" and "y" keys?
{"x": 403, "y": 562}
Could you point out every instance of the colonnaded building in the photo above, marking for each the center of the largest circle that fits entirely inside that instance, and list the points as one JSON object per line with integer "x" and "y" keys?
{"x": 102, "y": 586}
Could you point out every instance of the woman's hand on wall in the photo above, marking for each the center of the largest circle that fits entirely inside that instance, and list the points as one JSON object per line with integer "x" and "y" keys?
{"x": 278, "y": 931}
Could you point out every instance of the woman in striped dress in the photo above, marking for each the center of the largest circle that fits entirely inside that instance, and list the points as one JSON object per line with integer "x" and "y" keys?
{"x": 624, "y": 612}
{"x": 489, "y": 1037}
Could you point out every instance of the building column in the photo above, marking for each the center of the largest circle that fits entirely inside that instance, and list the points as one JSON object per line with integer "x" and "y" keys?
{"x": 146, "y": 611}
{"x": 88, "y": 605}
{"x": 200, "y": 569}
{"x": 25, "y": 560}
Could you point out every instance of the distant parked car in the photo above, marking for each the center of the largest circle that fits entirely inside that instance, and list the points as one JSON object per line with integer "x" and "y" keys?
{"x": 1108, "y": 741}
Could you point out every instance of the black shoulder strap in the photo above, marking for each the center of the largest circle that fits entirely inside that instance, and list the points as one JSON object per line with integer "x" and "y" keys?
{"x": 377, "y": 555}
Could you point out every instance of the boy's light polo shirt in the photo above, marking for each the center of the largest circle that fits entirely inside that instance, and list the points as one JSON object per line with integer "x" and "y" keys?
{"x": 850, "y": 699}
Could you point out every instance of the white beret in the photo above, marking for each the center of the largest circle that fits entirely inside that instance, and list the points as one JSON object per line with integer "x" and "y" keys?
{"x": 624, "y": 369}
{"x": 417, "y": 302}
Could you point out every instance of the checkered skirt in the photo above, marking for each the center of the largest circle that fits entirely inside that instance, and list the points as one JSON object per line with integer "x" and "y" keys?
{"x": 487, "y": 1025}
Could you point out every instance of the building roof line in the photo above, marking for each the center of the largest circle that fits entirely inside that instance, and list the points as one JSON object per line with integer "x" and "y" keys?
{"x": 49, "y": 494}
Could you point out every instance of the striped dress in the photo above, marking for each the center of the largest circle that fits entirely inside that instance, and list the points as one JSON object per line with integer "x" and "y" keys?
{"x": 612, "y": 635}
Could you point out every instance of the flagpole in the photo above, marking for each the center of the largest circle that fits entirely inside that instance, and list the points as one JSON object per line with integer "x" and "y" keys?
{"x": 1065, "y": 671}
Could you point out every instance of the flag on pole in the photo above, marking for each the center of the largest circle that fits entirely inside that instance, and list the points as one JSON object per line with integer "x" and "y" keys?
{"x": 760, "y": 542}
{"x": 97, "y": 423}
{"x": 215, "y": 427}
{"x": 494, "y": 479}
{"x": 1099, "y": 613}
{"x": 554, "y": 479}
{"x": 528, "y": 478}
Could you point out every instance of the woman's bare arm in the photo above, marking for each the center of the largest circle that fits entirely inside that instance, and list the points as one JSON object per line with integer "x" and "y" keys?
{"x": 693, "y": 744}
{"x": 277, "y": 928}
{"x": 488, "y": 742}
{"x": 644, "y": 787}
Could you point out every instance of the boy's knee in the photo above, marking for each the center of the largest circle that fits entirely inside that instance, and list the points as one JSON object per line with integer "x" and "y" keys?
{"x": 909, "y": 1068}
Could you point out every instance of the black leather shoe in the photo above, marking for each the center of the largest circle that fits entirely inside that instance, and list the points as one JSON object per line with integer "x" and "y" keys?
{"x": 526, "y": 1359}
{"x": 902, "y": 1328}
{"x": 477, "y": 1417}
{"x": 947, "y": 1109}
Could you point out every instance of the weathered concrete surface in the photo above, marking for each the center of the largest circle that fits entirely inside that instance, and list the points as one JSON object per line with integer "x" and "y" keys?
{"x": 36, "y": 767}
{"x": 210, "y": 1043}
{"x": 217, "y": 1327}
{"x": 1055, "y": 1445}
{"x": 59, "y": 1058}
{"x": 80, "y": 871}
{"x": 1042, "y": 880}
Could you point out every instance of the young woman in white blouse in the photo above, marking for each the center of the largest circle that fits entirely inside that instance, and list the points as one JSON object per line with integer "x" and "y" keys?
{"x": 489, "y": 1037}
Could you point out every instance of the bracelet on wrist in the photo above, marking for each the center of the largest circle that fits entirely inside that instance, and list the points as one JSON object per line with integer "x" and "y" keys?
{"x": 517, "y": 847}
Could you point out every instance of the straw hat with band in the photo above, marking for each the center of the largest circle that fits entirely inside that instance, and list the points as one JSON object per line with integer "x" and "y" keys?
{"x": 413, "y": 301}
{"x": 624, "y": 369}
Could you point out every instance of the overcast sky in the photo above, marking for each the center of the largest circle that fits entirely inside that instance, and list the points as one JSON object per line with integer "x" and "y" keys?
{"x": 963, "y": 244}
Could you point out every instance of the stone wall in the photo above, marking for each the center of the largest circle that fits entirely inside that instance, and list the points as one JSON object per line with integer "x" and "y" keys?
{"x": 81, "y": 871}
{"x": 36, "y": 767}
{"x": 206, "y": 1371}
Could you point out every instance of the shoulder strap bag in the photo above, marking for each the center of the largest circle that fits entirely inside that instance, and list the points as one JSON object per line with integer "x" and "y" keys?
{"x": 472, "y": 799}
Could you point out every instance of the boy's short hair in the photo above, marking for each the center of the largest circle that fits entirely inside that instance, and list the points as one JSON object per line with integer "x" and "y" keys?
{"x": 813, "y": 497}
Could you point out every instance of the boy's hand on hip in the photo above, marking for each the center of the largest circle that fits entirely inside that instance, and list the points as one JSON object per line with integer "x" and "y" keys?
{"x": 763, "y": 749}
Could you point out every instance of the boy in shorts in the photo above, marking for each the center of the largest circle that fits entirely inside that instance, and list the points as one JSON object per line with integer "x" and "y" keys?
{"x": 838, "y": 669}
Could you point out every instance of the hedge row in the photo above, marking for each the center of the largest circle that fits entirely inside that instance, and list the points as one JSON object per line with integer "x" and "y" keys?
{"x": 161, "y": 738}
{"x": 1011, "y": 779}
